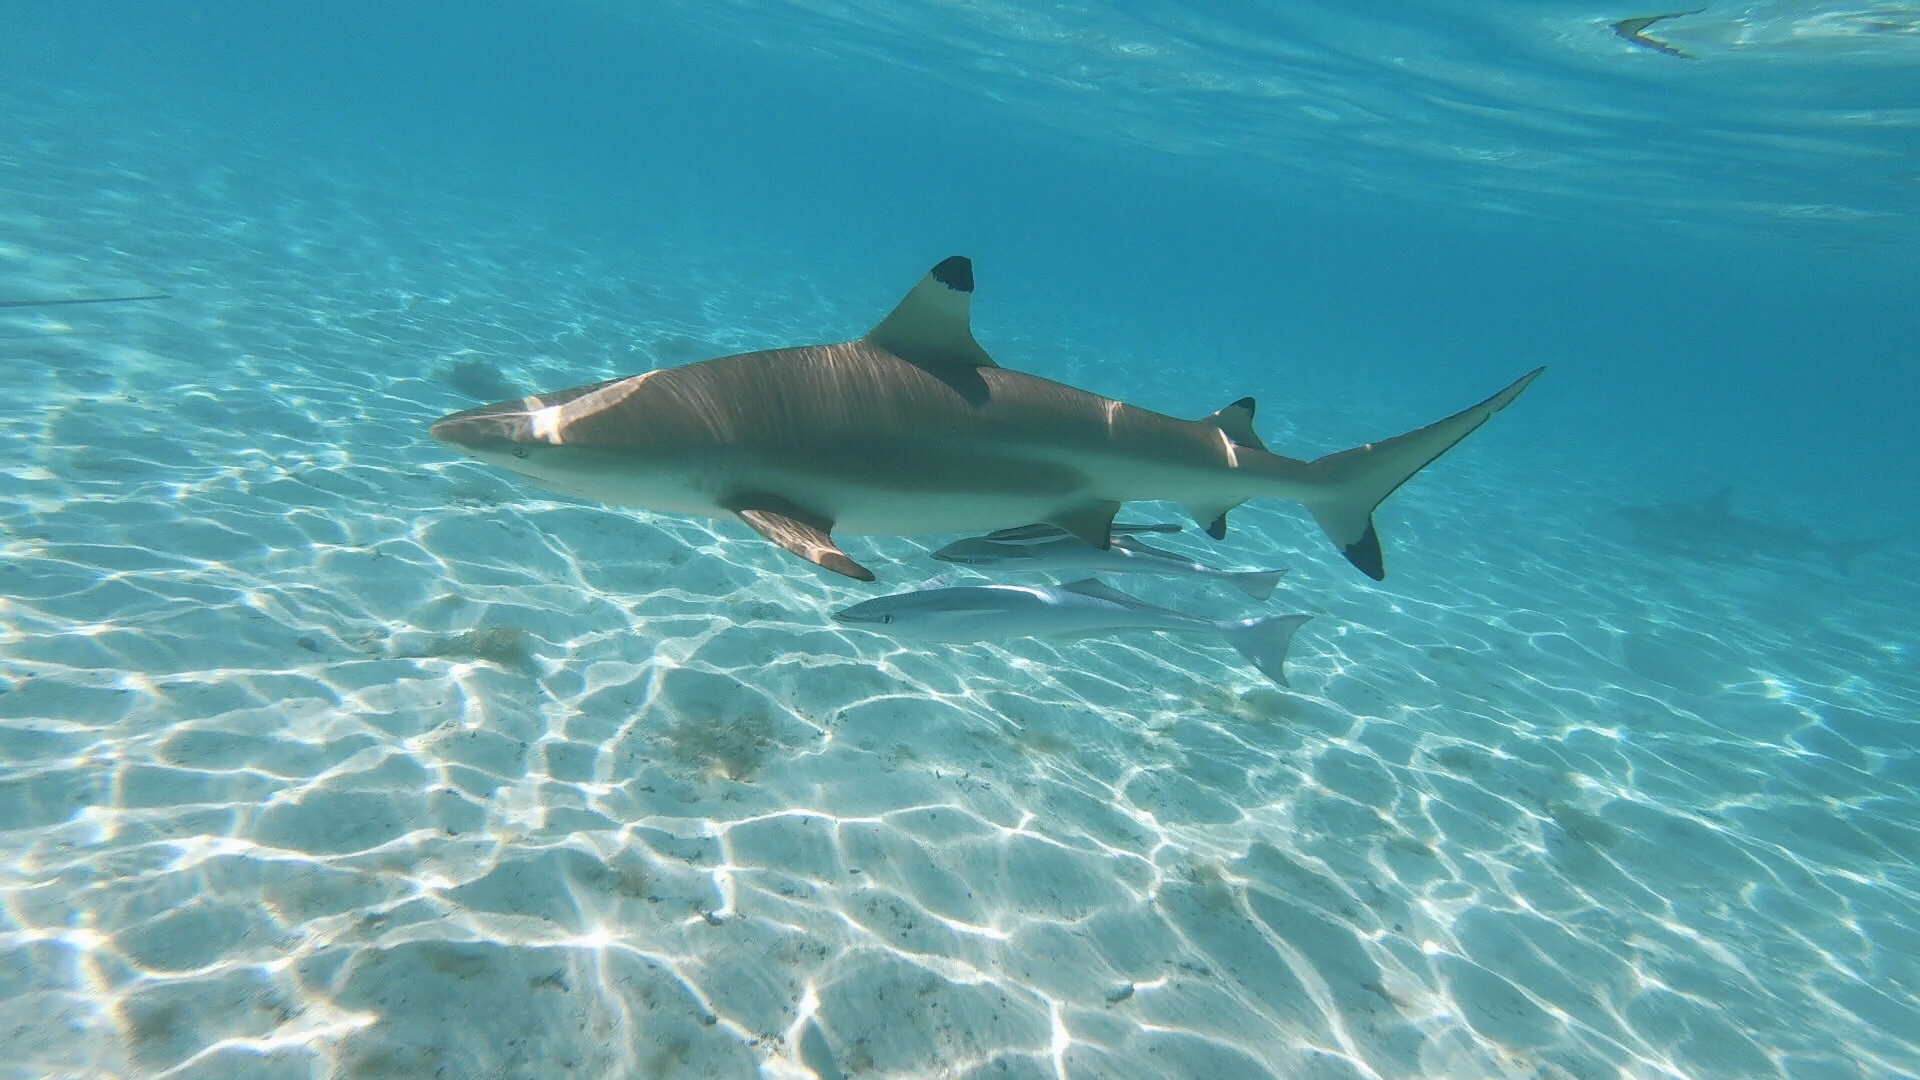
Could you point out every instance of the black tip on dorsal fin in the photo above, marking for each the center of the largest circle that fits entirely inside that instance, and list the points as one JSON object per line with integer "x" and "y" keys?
{"x": 955, "y": 272}
{"x": 1217, "y": 528}
{"x": 1244, "y": 403}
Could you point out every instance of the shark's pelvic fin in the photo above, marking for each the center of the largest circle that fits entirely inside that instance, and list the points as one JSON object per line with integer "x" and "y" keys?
{"x": 1357, "y": 479}
{"x": 804, "y": 534}
{"x": 1237, "y": 421}
{"x": 1092, "y": 523}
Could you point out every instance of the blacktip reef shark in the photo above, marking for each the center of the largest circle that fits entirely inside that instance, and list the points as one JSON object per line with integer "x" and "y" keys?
{"x": 963, "y": 614}
{"x": 914, "y": 429}
{"x": 1634, "y": 32}
{"x": 1712, "y": 529}
{"x": 1048, "y": 549}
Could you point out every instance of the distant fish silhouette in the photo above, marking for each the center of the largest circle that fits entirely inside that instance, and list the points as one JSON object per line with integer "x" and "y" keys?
{"x": 69, "y": 301}
{"x": 1711, "y": 530}
{"x": 1632, "y": 31}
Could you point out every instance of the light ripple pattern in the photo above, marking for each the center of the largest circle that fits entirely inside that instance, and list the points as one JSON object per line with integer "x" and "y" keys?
{"x": 324, "y": 754}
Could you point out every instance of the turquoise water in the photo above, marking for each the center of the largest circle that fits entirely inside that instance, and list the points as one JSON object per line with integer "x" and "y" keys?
{"x": 326, "y": 753}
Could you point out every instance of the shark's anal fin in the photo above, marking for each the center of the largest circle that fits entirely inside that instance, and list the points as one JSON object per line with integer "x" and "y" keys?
{"x": 804, "y": 534}
{"x": 1213, "y": 518}
{"x": 1092, "y": 523}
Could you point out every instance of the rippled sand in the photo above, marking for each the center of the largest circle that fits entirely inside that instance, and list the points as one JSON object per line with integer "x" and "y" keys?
{"x": 323, "y": 753}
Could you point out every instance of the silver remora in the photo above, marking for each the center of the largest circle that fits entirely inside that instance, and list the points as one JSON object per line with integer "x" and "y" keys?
{"x": 1049, "y": 549}
{"x": 969, "y": 613}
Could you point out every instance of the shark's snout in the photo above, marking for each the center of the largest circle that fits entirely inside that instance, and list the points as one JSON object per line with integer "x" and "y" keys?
{"x": 505, "y": 428}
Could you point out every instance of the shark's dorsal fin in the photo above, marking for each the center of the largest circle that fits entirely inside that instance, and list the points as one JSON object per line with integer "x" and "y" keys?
{"x": 802, "y": 533}
{"x": 930, "y": 327}
{"x": 1237, "y": 421}
{"x": 1092, "y": 523}
{"x": 1096, "y": 589}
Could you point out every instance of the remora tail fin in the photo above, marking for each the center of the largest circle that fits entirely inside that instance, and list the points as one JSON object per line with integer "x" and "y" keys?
{"x": 1264, "y": 642}
{"x": 1356, "y": 480}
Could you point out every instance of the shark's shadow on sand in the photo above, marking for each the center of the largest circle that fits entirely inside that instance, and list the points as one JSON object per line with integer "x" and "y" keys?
{"x": 1712, "y": 529}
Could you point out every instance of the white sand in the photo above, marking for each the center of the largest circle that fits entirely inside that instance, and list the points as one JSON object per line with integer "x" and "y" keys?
{"x": 1543, "y": 806}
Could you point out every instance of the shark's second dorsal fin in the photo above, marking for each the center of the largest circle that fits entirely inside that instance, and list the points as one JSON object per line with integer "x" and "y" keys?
{"x": 1237, "y": 421}
{"x": 930, "y": 326}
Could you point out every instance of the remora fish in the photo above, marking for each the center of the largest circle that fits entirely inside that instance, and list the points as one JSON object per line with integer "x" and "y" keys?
{"x": 970, "y": 613}
{"x": 1048, "y": 548}
{"x": 914, "y": 429}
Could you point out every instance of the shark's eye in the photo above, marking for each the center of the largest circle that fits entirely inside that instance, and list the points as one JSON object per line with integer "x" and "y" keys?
{"x": 519, "y": 451}
{"x": 886, "y": 618}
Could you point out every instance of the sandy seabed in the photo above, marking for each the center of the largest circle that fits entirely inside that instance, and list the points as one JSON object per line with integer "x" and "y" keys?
{"x": 323, "y": 753}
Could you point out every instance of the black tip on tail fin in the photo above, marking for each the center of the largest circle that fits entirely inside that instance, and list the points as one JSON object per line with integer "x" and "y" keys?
{"x": 1217, "y": 528}
{"x": 1365, "y": 554}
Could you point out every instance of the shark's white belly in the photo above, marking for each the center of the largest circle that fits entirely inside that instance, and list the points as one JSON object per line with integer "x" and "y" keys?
{"x": 882, "y": 502}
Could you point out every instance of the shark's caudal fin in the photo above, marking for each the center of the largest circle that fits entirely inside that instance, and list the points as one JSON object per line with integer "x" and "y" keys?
{"x": 1264, "y": 642}
{"x": 1354, "y": 481}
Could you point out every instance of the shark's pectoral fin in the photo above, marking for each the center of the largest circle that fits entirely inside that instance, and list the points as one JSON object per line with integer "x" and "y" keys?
{"x": 804, "y": 534}
{"x": 1213, "y": 517}
{"x": 1092, "y": 523}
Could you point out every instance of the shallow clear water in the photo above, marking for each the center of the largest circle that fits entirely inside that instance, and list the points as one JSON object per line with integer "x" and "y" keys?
{"x": 323, "y": 752}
